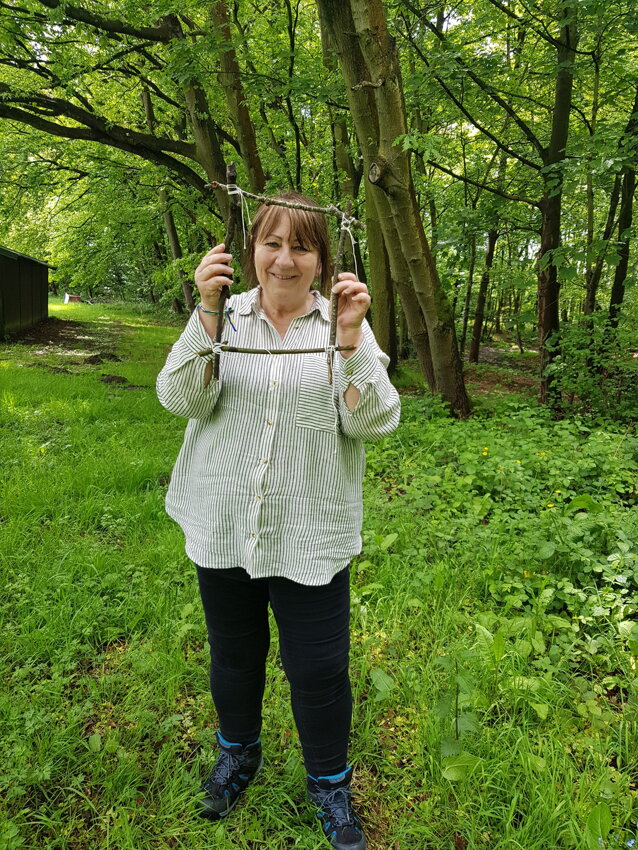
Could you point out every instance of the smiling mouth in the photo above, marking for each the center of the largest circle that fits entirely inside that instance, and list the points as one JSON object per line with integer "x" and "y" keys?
{"x": 283, "y": 277}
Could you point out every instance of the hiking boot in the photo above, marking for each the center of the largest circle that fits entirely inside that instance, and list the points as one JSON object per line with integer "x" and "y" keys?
{"x": 235, "y": 768}
{"x": 331, "y": 794}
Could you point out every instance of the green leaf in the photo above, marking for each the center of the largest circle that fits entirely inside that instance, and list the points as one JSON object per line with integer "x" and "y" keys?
{"x": 468, "y": 722}
{"x": 370, "y": 588}
{"x": 537, "y": 763}
{"x": 541, "y": 708}
{"x": 382, "y": 682}
{"x": 538, "y": 642}
{"x": 498, "y": 645}
{"x": 546, "y": 550}
{"x": 95, "y": 742}
{"x": 523, "y": 647}
{"x": 388, "y": 540}
{"x": 443, "y": 706}
{"x": 450, "y": 746}
{"x": 459, "y": 767}
{"x": 585, "y": 502}
{"x": 445, "y": 662}
{"x": 598, "y": 826}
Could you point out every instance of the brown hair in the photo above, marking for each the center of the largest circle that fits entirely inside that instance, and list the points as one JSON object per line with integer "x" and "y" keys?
{"x": 309, "y": 228}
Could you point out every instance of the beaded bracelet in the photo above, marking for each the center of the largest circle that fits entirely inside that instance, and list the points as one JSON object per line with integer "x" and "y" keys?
{"x": 208, "y": 312}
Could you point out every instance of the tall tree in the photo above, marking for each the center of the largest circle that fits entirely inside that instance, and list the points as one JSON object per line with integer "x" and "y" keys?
{"x": 369, "y": 62}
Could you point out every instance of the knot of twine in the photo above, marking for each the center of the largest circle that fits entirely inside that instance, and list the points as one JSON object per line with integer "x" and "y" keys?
{"x": 234, "y": 189}
{"x": 347, "y": 223}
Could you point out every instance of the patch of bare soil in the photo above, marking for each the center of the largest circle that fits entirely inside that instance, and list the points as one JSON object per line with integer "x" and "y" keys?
{"x": 63, "y": 334}
{"x": 486, "y": 383}
{"x": 500, "y": 372}
{"x": 61, "y": 343}
{"x": 511, "y": 359}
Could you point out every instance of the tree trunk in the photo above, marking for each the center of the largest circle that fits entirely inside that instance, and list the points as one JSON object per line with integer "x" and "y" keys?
{"x": 230, "y": 81}
{"x": 517, "y": 322}
{"x": 369, "y": 63}
{"x": 479, "y": 316}
{"x": 468, "y": 294}
{"x": 364, "y": 114}
{"x": 383, "y": 310}
{"x": 208, "y": 151}
{"x": 594, "y": 273}
{"x": 625, "y": 220}
{"x": 551, "y": 202}
{"x": 292, "y": 34}
{"x": 176, "y": 249}
{"x": 497, "y": 317}
{"x": 169, "y": 221}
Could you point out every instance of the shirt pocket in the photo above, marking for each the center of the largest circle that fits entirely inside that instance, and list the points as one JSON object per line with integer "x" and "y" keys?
{"x": 315, "y": 403}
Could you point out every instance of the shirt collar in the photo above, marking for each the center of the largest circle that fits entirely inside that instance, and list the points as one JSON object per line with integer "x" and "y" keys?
{"x": 250, "y": 303}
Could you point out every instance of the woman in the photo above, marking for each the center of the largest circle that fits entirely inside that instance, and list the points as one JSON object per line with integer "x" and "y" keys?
{"x": 267, "y": 488}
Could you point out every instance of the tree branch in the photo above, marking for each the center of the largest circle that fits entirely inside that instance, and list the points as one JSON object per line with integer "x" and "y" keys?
{"x": 543, "y": 32}
{"x": 162, "y": 33}
{"x": 133, "y": 145}
{"x": 53, "y": 106}
{"x": 486, "y": 186}
{"x": 489, "y": 91}
{"x": 509, "y": 151}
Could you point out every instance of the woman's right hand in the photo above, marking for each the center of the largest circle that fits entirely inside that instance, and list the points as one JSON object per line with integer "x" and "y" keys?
{"x": 214, "y": 272}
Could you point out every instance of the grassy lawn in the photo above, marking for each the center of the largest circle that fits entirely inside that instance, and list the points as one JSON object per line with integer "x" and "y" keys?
{"x": 494, "y": 621}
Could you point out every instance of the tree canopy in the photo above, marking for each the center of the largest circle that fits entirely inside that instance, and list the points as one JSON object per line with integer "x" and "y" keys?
{"x": 490, "y": 148}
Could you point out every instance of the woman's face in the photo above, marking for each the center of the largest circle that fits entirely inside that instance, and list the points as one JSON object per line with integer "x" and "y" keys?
{"x": 284, "y": 266}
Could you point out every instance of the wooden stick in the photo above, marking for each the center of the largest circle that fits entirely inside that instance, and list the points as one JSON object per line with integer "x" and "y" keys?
{"x": 234, "y": 217}
{"x": 206, "y": 351}
{"x": 334, "y": 299}
{"x": 293, "y": 205}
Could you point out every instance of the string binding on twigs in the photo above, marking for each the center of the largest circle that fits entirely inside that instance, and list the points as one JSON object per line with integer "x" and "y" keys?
{"x": 331, "y": 209}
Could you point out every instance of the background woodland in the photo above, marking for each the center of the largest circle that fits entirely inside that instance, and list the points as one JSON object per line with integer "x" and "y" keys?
{"x": 490, "y": 147}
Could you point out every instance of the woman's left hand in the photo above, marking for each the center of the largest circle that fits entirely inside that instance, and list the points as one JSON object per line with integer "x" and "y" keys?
{"x": 354, "y": 301}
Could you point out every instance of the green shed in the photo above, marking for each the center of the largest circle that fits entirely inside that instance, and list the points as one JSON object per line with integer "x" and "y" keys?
{"x": 24, "y": 291}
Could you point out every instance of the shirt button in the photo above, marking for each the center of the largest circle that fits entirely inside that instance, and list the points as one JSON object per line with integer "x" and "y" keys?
{"x": 265, "y": 460}
{"x": 269, "y": 422}
{"x": 258, "y": 498}
{"x": 253, "y": 535}
{"x": 275, "y": 383}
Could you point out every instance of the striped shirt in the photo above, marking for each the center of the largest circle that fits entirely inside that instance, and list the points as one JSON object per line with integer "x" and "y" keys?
{"x": 269, "y": 476}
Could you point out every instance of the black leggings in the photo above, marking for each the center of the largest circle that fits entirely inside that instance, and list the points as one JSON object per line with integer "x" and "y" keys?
{"x": 314, "y": 642}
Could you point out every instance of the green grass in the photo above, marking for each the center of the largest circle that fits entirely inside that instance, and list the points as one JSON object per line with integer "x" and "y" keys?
{"x": 493, "y": 621}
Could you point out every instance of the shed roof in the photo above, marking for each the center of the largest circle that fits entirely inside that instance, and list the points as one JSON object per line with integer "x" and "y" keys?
{"x": 15, "y": 255}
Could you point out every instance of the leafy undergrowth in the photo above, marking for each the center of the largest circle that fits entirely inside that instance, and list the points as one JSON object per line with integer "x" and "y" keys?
{"x": 493, "y": 618}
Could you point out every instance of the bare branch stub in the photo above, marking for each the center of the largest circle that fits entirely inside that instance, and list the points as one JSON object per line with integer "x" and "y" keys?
{"x": 367, "y": 84}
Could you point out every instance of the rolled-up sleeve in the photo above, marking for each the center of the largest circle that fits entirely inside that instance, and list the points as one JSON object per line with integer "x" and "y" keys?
{"x": 377, "y": 412}
{"x": 180, "y": 384}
